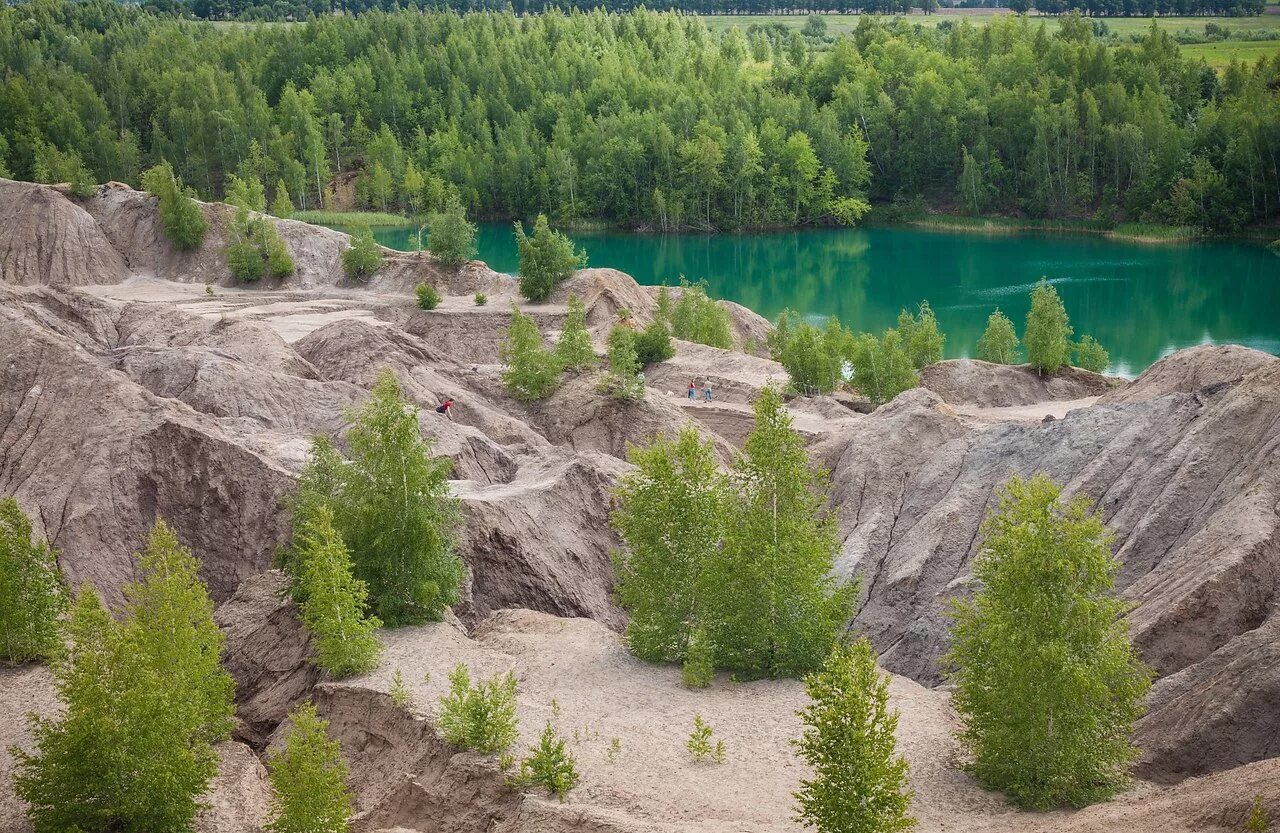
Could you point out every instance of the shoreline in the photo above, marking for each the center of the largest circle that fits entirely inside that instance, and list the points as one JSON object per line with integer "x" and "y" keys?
{"x": 985, "y": 225}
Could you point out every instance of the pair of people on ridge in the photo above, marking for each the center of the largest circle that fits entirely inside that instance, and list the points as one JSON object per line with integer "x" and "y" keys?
{"x": 693, "y": 392}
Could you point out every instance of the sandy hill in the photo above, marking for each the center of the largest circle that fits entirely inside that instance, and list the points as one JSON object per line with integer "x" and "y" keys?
{"x": 127, "y": 392}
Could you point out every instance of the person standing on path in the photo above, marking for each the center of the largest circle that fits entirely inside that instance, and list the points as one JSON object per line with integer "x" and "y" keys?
{"x": 706, "y": 394}
{"x": 693, "y": 392}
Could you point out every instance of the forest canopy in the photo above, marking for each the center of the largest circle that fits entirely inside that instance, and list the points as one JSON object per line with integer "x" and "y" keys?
{"x": 644, "y": 118}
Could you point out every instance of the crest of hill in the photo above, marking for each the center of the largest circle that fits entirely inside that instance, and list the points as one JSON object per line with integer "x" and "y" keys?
{"x": 53, "y": 238}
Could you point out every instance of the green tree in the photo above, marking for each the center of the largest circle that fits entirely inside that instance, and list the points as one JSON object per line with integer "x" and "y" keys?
{"x": 653, "y": 343}
{"x": 401, "y": 696}
{"x": 392, "y": 506}
{"x": 774, "y": 606}
{"x": 670, "y": 516}
{"x": 363, "y": 257}
{"x": 999, "y": 342}
{"x": 32, "y": 595}
{"x": 428, "y": 296}
{"x": 57, "y": 167}
{"x": 1048, "y": 684}
{"x": 452, "y": 239}
{"x": 481, "y": 716}
{"x": 699, "y": 669}
{"x": 881, "y": 367}
{"x": 814, "y": 358}
{"x": 411, "y": 185}
{"x": 246, "y": 193}
{"x": 972, "y": 187}
{"x": 574, "y": 350}
{"x": 921, "y": 337}
{"x": 254, "y": 247}
{"x": 546, "y": 258}
{"x": 180, "y": 217}
{"x": 549, "y": 765}
{"x": 623, "y": 379}
{"x": 1091, "y": 355}
{"x": 699, "y": 744}
{"x": 282, "y": 206}
{"x": 403, "y": 528}
{"x": 332, "y": 600}
{"x": 532, "y": 370}
{"x": 699, "y": 318}
{"x": 1257, "y": 821}
{"x": 144, "y": 701}
{"x": 1048, "y": 333}
{"x": 377, "y": 185}
{"x": 309, "y": 792}
{"x": 859, "y": 782}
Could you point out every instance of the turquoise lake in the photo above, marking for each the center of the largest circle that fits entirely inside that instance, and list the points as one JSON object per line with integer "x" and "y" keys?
{"x": 1141, "y": 301}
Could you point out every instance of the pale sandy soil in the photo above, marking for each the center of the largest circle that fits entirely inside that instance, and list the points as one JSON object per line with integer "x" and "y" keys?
{"x": 1023, "y": 413}
{"x": 577, "y": 674}
{"x": 600, "y": 693}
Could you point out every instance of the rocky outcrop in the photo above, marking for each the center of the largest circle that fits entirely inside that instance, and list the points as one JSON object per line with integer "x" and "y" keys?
{"x": 986, "y": 385}
{"x": 580, "y": 418}
{"x": 1216, "y": 714}
{"x": 481, "y": 439}
{"x": 53, "y": 239}
{"x": 238, "y": 799}
{"x": 606, "y": 292}
{"x": 95, "y": 459}
{"x": 733, "y": 376}
{"x": 1187, "y": 482}
{"x": 543, "y": 541}
{"x": 50, "y": 239}
{"x": 267, "y": 653}
{"x": 1192, "y": 370}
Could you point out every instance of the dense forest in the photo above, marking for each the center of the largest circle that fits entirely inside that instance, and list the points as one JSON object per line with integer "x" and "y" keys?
{"x": 285, "y": 9}
{"x": 643, "y": 119}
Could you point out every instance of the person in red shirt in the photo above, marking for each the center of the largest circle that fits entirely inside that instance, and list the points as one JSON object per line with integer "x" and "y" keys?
{"x": 445, "y": 408}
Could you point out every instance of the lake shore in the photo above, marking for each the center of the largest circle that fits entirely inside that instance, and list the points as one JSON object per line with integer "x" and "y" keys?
{"x": 996, "y": 225}
{"x": 989, "y": 225}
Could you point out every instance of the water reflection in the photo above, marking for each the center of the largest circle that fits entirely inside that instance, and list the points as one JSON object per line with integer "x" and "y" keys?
{"x": 1141, "y": 301}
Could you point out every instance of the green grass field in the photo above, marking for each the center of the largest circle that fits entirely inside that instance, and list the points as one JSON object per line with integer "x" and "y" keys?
{"x": 839, "y": 24}
{"x": 1218, "y": 55}
{"x": 351, "y": 218}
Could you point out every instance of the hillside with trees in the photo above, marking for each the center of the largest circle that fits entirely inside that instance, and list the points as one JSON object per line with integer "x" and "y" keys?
{"x": 643, "y": 119}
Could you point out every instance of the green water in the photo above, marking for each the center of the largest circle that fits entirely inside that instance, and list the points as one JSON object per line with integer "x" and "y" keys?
{"x": 1141, "y": 301}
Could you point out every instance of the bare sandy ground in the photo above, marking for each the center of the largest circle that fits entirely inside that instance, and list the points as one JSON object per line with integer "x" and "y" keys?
{"x": 1023, "y": 413}
{"x": 577, "y": 675}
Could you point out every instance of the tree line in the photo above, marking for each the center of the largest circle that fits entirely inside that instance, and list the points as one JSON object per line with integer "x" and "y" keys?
{"x": 643, "y": 119}
{"x": 300, "y": 9}
{"x": 822, "y": 359}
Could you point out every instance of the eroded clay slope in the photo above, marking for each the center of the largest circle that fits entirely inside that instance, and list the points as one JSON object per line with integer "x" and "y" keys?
{"x": 49, "y": 237}
{"x": 1189, "y": 483}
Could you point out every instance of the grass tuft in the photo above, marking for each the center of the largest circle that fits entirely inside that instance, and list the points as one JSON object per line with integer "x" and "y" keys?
{"x": 351, "y": 218}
